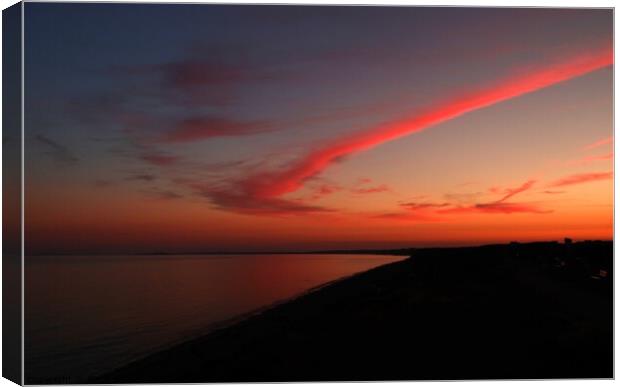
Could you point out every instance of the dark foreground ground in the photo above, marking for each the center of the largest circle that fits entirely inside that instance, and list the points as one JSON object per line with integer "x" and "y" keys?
{"x": 524, "y": 311}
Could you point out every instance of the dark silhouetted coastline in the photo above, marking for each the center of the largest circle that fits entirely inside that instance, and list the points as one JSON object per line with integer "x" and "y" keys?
{"x": 515, "y": 311}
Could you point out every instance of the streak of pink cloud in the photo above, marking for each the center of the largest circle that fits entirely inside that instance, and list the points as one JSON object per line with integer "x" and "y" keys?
{"x": 601, "y": 142}
{"x": 581, "y": 178}
{"x": 273, "y": 184}
{"x": 591, "y": 159}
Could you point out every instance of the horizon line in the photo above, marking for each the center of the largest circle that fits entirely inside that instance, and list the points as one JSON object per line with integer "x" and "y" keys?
{"x": 361, "y": 251}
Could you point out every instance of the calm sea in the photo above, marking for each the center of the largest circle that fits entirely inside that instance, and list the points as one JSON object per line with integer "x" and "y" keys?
{"x": 85, "y": 315}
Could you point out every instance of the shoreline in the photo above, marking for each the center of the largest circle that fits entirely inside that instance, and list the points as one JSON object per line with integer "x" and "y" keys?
{"x": 216, "y": 326}
{"x": 232, "y": 322}
{"x": 374, "y": 315}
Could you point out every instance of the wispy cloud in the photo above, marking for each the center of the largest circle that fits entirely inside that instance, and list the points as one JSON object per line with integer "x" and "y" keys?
{"x": 99, "y": 183}
{"x": 164, "y": 103}
{"x": 205, "y": 127}
{"x": 260, "y": 190}
{"x": 549, "y": 192}
{"x": 208, "y": 76}
{"x": 371, "y": 190}
{"x": 410, "y": 217}
{"x": 582, "y": 178}
{"x": 159, "y": 159}
{"x": 500, "y": 206}
{"x": 326, "y": 189}
{"x": 601, "y": 142}
{"x": 241, "y": 203}
{"x": 163, "y": 194}
{"x": 57, "y": 151}
{"x": 510, "y": 192}
{"x": 277, "y": 183}
{"x": 438, "y": 211}
{"x": 416, "y": 212}
{"x": 497, "y": 208}
{"x": 322, "y": 190}
{"x": 142, "y": 177}
{"x": 463, "y": 197}
{"x": 194, "y": 73}
{"x": 413, "y": 206}
{"x": 586, "y": 160}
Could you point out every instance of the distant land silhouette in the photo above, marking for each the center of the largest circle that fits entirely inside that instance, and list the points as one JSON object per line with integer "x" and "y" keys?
{"x": 512, "y": 311}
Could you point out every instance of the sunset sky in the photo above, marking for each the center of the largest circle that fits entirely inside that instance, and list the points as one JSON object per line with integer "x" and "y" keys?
{"x": 204, "y": 128}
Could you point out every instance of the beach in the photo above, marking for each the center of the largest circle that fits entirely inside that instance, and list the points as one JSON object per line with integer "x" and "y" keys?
{"x": 517, "y": 311}
{"x": 89, "y": 315}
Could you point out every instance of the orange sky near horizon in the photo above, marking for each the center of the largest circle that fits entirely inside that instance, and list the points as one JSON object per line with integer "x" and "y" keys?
{"x": 132, "y": 223}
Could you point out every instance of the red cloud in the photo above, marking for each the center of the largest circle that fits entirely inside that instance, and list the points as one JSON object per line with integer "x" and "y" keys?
{"x": 159, "y": 159}
{"x": 195, "y": 73}
{"x": 276, "y": 183}
{"x": 370, "y": 190}
{"x": 429, "y": 211}
{"x": 422, "y": 212}
{"x": 582, "y": 178}
{"x": 231, "y": 201}
{"x": 421, "y": 206}
{"x": 200, "y": 128}
{"x": 496, "y": 208}
{"x": 326, "y": 189}
{"x": 409, "y": 216}
{"x": 598, "y": 143}
{"x": 500, "y": 206}
{"x": 200, "y": 79}
{"x": 510, "y": 192}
